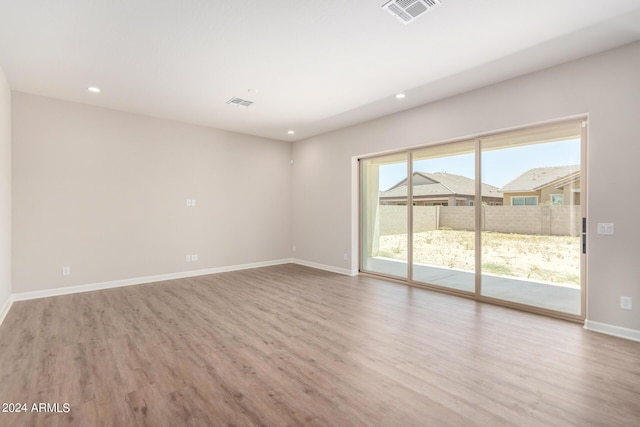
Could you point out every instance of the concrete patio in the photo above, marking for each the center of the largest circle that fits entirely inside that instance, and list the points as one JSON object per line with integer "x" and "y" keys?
{"x": 562, "y": 298}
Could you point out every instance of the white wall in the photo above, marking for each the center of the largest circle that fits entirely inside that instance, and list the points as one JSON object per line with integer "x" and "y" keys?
{"x": 5, "y": 193}
{"x": 104, "y": 193}
{"x": 606, "y": 86}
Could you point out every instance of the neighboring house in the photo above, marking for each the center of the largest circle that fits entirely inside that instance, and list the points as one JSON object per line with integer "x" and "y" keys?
{"x": 558, "y": 185}
{"x": 440, "y": 189}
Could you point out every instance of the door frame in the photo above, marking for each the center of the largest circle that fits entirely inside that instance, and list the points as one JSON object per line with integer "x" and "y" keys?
{"x": 581, "y": 120}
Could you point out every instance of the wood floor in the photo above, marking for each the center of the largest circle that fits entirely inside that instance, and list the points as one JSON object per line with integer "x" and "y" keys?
{"x": 294, "y": 346}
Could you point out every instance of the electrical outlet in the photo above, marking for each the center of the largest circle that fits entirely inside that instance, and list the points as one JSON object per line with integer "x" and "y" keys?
{"x": 66, "y": 271}
{"x": 194, "y": 257}
{"x": 294, "y": 248}
{"x": 345, "y": 257}
{"x": 188, "y": 258}
{"x": 626, "y": 303}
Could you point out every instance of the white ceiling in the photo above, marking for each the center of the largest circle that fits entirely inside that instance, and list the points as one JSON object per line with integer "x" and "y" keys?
{"x": 318, "y": 65}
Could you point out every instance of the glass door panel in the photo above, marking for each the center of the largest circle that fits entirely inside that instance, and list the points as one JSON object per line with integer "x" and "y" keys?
{"x": 531, "y": 249}
{"x": 443, "y": 218}
{"x": 384, "y": 225}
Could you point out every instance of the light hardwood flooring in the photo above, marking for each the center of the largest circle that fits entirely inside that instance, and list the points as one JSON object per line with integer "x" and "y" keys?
{"x": 293, "y": 346}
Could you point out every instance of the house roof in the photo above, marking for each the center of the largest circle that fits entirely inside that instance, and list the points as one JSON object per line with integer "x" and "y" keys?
{"x": 427, "y": 184}
{"x": 537, "y": 178}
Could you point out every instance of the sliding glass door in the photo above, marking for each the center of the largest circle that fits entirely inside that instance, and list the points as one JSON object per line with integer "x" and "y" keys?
{"x": 444, "y": 194}
{"x": 531, "y": 248}
{"x": 384, "y": 228}
{"x": 498, "y": 217}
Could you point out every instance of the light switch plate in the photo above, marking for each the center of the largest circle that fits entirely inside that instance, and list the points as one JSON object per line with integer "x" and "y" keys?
{"x": 626, "y": 303}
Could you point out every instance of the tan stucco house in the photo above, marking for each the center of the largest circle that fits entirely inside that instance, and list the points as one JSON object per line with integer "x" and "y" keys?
{"x": 440, "y": 189}
{"x": 557, "y": 185}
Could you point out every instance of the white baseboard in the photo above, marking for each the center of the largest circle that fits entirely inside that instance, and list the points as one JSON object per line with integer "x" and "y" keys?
{"x": 5, "y": 309}
{"x": 331, "y": 268}
{"x": 22, "y": 296}
{"x": 616, "y": 331}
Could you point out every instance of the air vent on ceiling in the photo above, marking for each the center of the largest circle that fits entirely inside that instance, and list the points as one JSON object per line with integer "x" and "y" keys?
{"x": 238, "y": 102}
{"x": 408, "y": 10}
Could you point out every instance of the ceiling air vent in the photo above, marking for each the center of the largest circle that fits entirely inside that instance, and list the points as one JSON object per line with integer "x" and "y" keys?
{"x": 238, "y": 102}
{"x": 408, "y": 10}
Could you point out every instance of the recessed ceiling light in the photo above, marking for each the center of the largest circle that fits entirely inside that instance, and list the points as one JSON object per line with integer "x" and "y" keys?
{"x": 253, "y": 91}
{"x": 291, "y": 132}
{"x": 94, "y": 89}
{"x": 400, "y": 95}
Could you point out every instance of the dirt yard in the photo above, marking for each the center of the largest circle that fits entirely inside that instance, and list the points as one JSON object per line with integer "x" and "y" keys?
{"x": 549, "y": 258}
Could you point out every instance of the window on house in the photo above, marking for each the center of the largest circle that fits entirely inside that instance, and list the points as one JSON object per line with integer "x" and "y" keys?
{"x": 524, "y": 201}
{"x": 556, "y": 199}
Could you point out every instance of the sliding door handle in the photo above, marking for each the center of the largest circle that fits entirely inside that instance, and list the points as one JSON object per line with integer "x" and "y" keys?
{"x": 584, "y": 235}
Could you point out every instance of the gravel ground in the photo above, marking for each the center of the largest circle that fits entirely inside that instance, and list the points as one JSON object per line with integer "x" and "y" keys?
{"x": 549, "y": 258}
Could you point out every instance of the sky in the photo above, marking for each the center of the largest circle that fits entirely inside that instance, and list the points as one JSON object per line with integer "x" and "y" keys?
{"x": 498, "y": 166}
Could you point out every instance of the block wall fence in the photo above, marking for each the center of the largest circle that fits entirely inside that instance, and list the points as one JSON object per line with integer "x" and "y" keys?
{"x": 537, "y": 220}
